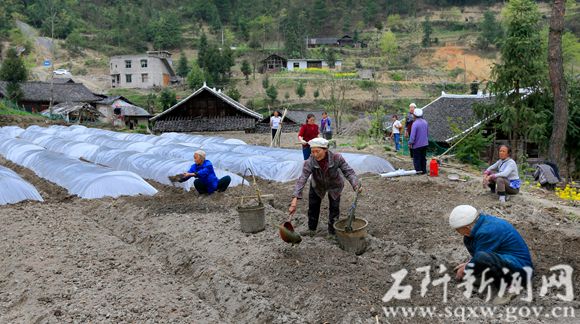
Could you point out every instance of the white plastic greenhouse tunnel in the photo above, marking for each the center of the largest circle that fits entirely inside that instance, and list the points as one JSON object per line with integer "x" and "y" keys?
{"x": 157, "y": 157}
{"x": 85, "y": 180}
{"x": 226, "y": 154}
{"x": 14, "y": 189}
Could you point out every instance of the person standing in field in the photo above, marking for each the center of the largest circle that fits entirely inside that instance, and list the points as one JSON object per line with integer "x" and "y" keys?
{"x": 307, "y": 132}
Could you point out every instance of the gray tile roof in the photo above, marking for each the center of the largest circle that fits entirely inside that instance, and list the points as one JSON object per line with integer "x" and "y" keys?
{"x": 36, "y": 91}
{"x": 63, "y": 80}
{"x": 296, "y": 116}
{"x": 299, "y": 117}
{"x": 323, "y": 40}
{"x": 109, "y": 100}
{"x": 452, "y": 111}
{"x": 134, "y": 111}
{"x": 236, "y": 105}
{"x": 64, "y": 108}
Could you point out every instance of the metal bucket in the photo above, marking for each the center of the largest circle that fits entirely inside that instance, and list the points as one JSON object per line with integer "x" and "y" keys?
{"x": 252, "y": 218}
{"x": 354, "y": 241}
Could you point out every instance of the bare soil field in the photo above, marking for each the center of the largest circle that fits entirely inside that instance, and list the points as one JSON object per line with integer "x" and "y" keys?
{"x": 181, "y": 258}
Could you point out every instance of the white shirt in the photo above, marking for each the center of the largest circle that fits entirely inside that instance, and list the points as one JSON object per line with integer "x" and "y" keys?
{"x": 275, "y": 121}
{"x": 396, "y": 126}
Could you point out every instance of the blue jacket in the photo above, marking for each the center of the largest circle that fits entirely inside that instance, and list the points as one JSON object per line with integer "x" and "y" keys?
{"x": 206, "y": 174}
{"x": 492, "y": 234}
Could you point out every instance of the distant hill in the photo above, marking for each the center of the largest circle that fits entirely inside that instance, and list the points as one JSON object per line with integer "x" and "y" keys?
{"x": 116, "y": 26}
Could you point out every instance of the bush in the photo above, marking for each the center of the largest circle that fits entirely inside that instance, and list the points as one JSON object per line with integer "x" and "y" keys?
{"x": 80, "y": 71}
{"x": 361, "y": 142}
{"x": 396, "y": 76}
{"x": 96, "y": 63}
{"x": 469, "y": 149}
{"x": 456, "y": 72}
{"x": 367, "y": 85}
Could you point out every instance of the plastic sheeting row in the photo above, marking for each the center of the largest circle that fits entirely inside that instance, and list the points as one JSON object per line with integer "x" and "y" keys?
{"x": 85, "y": 180}
{"x": 121, "y": 157}
{"x": 228, "y": 154}
{"x": 14, "y": 189}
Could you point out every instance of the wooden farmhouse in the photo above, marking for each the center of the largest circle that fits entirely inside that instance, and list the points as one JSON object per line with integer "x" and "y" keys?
{"x": 273, "y": 63}
{"x": 119, "y": 111}
{"x": 36, "y": 95}
{"x": 205, "y": 110}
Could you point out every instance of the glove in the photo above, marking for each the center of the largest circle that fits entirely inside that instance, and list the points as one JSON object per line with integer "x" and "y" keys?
{"x": 303, "y": 142}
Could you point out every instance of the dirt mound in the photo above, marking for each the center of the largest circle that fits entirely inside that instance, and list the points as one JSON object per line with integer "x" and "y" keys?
{"x": 27, "y": 120}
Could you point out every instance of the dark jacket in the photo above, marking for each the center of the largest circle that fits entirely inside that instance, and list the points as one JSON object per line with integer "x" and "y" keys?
{"x": 492, "y": 234}
{"x": 330, "y": 181}
{"x": 206, "y": 174}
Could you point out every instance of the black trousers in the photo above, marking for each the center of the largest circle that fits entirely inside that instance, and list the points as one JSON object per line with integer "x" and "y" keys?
{"x": 495, "y": 264}
{"x": 222, "y": 185}
{"x": 274, "y": 132}
{"x": 420, "y": 159}
{"x": 314, "y": 202}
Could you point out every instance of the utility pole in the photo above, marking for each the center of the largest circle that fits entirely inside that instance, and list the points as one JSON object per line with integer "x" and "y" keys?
{"x": 52, "y": 49}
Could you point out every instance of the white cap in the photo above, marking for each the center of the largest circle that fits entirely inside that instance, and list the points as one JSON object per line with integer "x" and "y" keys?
{"x": 462, "y": 215}
{"x": 413, "y": 105}
{"x": 318, "y": 142}
{"x": 418, "y": 112}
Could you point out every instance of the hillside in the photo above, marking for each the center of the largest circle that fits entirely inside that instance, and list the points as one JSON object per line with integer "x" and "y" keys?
{"x": 405, "y": 71}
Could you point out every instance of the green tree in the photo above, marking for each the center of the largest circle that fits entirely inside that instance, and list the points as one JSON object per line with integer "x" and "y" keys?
{"x": 234, "y": 93}
{"x": 246, "y": 70}
{"x": 388, "y": 45}
{"x": 293, "y": 32}
{"x": 329, "y": 56}
{"x": 272, "y": 93}
{"x": 202, "y": 48}
{"x": 167, "y": 98}
{"x": 319, "y": 14}
{"x": 151, "y": 100}
{"x": 14, "y": 72}
{"x": 195, "y": 77}
{"x": 572, "y": 145}
{"x": 266, "y": 82}
{"x": 74, "y": 43}
{"x": 300, "y": 90}
{"x": 522, "y": 67}
{"x": 427, "y": 31}
{"x": 167, "y": 32}
{"x": 394, "y": 22}
{"x": 370, "y": 11}
{"x": 491, "y": 31}
{"x": 182, "y": 66}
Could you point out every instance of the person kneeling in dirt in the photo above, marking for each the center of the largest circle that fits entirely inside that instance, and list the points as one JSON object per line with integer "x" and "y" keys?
{"x": 506, "y": 178}
{"x": 206, "y": 181}
{"x": 494, "y": 244}
{"x": 324, "y": 167}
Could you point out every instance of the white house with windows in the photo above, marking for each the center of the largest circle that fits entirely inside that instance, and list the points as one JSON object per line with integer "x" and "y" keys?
{"x": 153, "y": 69}
{"x": 293, "y": 64}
